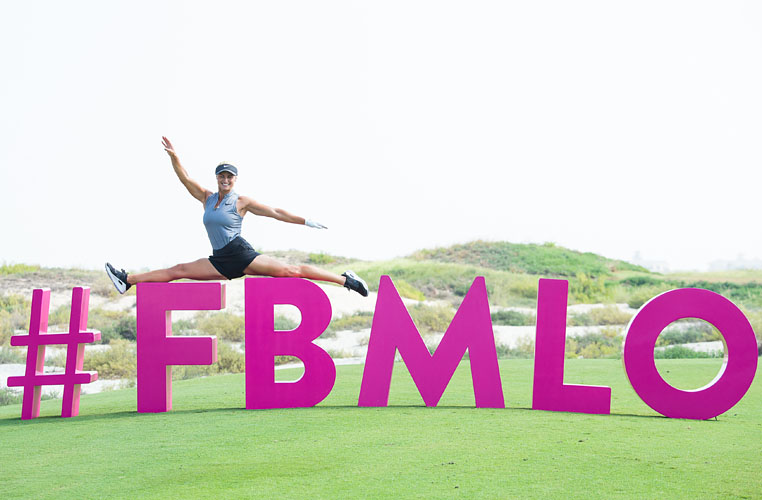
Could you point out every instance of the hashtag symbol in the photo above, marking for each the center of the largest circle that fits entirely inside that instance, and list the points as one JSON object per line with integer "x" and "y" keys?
{"x": 75, "y": 340}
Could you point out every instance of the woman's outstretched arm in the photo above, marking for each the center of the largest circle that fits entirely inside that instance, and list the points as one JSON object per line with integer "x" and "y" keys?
{"x": 249, "y": 205}
{"x": 193, "y": 187}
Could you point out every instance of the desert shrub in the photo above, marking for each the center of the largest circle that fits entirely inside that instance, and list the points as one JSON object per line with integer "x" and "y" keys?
{"x": 14, "y": 302}
{"x": 604, "y": 344}
{"x": 184, "y": 327}
{"x": 431, "y": 319}
{"x": 408, "y": 291}
{"x": 587, "y": 289}
{"x": 681, "y": 352}
{"x": 9, "y": 323}
{"x": 125, "y": 327}
{"x": 112, "y": 324}
{"x": 283, "y": 360}
{"x": 12, "y": 355}
{"x": 119, "y": 361}
{"x": 223, "y": 325}
{"x": 513, "y": 318}
{"x": 184, "y": 372}
{"x": 641, "y": 295}
{"x": 355, "y": 322}
{"x": 607, "y": 315}
{"x": 14, "y": 315}
{"x": 284, "y": 324}
{"x": 321, "y": 259}
{"x": 10, "y": 397}
{"x": 7, "y": 269}
{"x": 523, "y": 350}
{"x": 523, "y": 287}
{"x": 698, "y": 332}
{"x": 229, "y": 360}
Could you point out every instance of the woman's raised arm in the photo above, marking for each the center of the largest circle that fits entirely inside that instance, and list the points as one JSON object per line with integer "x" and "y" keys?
{"x": 193, "y": 187}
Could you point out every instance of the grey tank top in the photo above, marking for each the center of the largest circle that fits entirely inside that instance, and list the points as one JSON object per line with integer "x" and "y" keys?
{"x": 223, "y": 224}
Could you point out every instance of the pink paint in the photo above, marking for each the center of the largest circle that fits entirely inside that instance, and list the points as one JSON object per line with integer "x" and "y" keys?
{"x": 732, "y": 381}
{"x": 263, "y": 343}
{"x": 550, "y": 392}
{"x": 75, "y": 340}
{"x": 157, "y": 349}
{"x": 393, "y": 329}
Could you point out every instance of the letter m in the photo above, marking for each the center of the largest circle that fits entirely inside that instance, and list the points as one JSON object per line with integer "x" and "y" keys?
{"x": 393, "y": 329}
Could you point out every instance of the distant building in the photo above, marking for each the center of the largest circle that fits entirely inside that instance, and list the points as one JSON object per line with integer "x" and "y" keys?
{"x": 739, "y": 263}
{"x": 656, "y": 266}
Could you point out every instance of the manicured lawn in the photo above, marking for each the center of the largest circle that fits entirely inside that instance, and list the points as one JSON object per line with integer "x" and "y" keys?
{"x": 209, "y": 446}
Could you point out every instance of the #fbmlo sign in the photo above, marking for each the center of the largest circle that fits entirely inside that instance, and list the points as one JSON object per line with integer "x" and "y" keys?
{"x": 393, "y": 331}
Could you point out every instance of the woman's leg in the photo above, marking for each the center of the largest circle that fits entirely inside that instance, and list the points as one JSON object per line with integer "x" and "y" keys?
{"x": 200, "y": 269}
{"x": 267, "y": 266}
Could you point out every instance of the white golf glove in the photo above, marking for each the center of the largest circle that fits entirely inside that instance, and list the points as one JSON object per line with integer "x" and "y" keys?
{"x": 312, "y": 223}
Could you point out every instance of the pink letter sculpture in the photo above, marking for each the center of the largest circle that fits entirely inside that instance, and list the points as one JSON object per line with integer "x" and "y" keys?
{"x": 263, "y": 343}
{"x": 75, "y": 340}
{"x": 157, "y": 349}
{"x": 731, "y": 382}
{"x": 393, "y": 329}
{"x": 550, "y": 392}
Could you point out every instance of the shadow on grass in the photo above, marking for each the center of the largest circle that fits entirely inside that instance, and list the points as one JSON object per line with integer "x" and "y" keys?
{"x": 56, "y": 419}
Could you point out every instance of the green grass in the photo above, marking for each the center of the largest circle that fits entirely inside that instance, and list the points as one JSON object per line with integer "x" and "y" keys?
{"x": 210, "y": 447}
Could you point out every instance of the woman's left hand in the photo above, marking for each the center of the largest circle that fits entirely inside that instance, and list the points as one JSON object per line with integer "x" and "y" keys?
{"x": 312, "y": 223}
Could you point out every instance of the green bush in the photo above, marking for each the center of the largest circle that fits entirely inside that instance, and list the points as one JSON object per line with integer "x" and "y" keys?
{"x": 524, "y": 350}
{"x": 607, "y": 315}
{"x": 681, "y": 352}
{"x": 604, "y": 344}
{"x": 408, "y": 291}
{"x": 123, "y": 328}
{"x": 701, "y": 332}
{"x": 223, "y": 325}
{"x": 431, "y": 319}
{"x": 513, "y": 318}
{"x": 588, "y": 289}
{"x": 229, "y": 360}
{"x": 640, "y": 296}
{"x": 355, "y": 322}
{"x": 12, "y": 355}
{"x": 10, "y": 397}
{"x": 7, "y": 269}
{"x": 284, "y": 324}
{"x": 119, "y": 361}
{"x": 112, "y": 324}
{"x": 14, "y": 315}
{"x": 321, "y": 259}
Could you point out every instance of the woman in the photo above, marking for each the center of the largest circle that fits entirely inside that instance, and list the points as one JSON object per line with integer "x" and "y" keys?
{"x": 232, "y": 256}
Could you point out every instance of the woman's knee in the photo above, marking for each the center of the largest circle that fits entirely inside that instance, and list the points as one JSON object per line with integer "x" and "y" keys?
{"x": 178, "y": 271}
{"x": 289, "y": 271}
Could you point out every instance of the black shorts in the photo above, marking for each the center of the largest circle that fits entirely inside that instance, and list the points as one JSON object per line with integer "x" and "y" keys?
{"x": 233, "y": 258}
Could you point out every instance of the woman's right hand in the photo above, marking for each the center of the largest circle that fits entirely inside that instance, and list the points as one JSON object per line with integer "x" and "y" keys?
{"x": 168, "y": 147}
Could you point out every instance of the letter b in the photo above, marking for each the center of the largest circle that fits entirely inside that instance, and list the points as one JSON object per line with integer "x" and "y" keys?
{"x": 263, "y": 343}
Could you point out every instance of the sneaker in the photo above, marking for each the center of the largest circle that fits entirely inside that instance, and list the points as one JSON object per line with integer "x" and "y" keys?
{"x": 355, "y": 283}
{"x": 119, "y": 278}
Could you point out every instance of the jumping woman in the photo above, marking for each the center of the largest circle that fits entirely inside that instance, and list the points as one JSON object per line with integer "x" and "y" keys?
{"x": 232, "y": 256}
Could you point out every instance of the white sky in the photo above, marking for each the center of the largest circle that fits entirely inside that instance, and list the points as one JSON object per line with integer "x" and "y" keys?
{"x": 610, "y": 127}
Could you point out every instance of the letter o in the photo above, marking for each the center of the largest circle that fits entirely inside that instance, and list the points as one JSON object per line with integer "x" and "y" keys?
{"x": 735, "y": 376}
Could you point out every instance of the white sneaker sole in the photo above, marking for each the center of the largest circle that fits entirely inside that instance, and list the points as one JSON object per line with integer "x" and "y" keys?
{"x": 352, "y": 275}
{"x": 120, "y": 285}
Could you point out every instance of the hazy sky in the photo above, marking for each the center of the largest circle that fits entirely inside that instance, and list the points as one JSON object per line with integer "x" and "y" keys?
{"x": 610, "y": 127}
